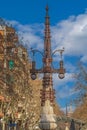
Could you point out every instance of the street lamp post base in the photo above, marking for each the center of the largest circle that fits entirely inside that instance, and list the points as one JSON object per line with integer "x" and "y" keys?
{"x": 47, "y": 121}
{"x": 48, "y": 125}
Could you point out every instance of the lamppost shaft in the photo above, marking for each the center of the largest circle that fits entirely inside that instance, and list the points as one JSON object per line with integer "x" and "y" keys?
{"x": 47, "y": 120}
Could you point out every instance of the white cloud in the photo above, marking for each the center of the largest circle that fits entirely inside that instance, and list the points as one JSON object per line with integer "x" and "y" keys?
{"x": 70, "y": 68}
{"x": 58, "y": 82}
{"x": 66, "y": 92}
{"x": 71, "y": 34}
{"x": 84, "y": 59}
{"x": 63, "y": 89}
{"x": 29, "y": 35}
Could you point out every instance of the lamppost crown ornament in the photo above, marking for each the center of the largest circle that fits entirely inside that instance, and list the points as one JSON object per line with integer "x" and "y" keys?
{"x": 47, "y": 121}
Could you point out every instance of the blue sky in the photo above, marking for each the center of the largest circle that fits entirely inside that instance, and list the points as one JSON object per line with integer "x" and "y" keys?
{"x": 32, "y": 11}
{"x": 68, "y": 20}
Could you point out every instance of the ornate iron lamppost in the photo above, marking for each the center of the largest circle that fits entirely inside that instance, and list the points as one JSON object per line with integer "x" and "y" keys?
{"x": 47, "y": 121}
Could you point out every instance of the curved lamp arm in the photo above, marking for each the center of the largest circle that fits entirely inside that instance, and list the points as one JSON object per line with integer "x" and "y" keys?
{"x": 59, "y": 50}
{"x": 35, "y": 50}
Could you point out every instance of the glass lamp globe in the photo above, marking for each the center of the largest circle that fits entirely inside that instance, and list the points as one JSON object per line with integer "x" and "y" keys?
{"x": 33, "y": 76}
{"x": 61, "y": 75}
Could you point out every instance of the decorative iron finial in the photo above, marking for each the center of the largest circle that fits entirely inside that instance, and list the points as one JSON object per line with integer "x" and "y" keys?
{"x": 47, "y": 41}
{"x": 47, "y": 8}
